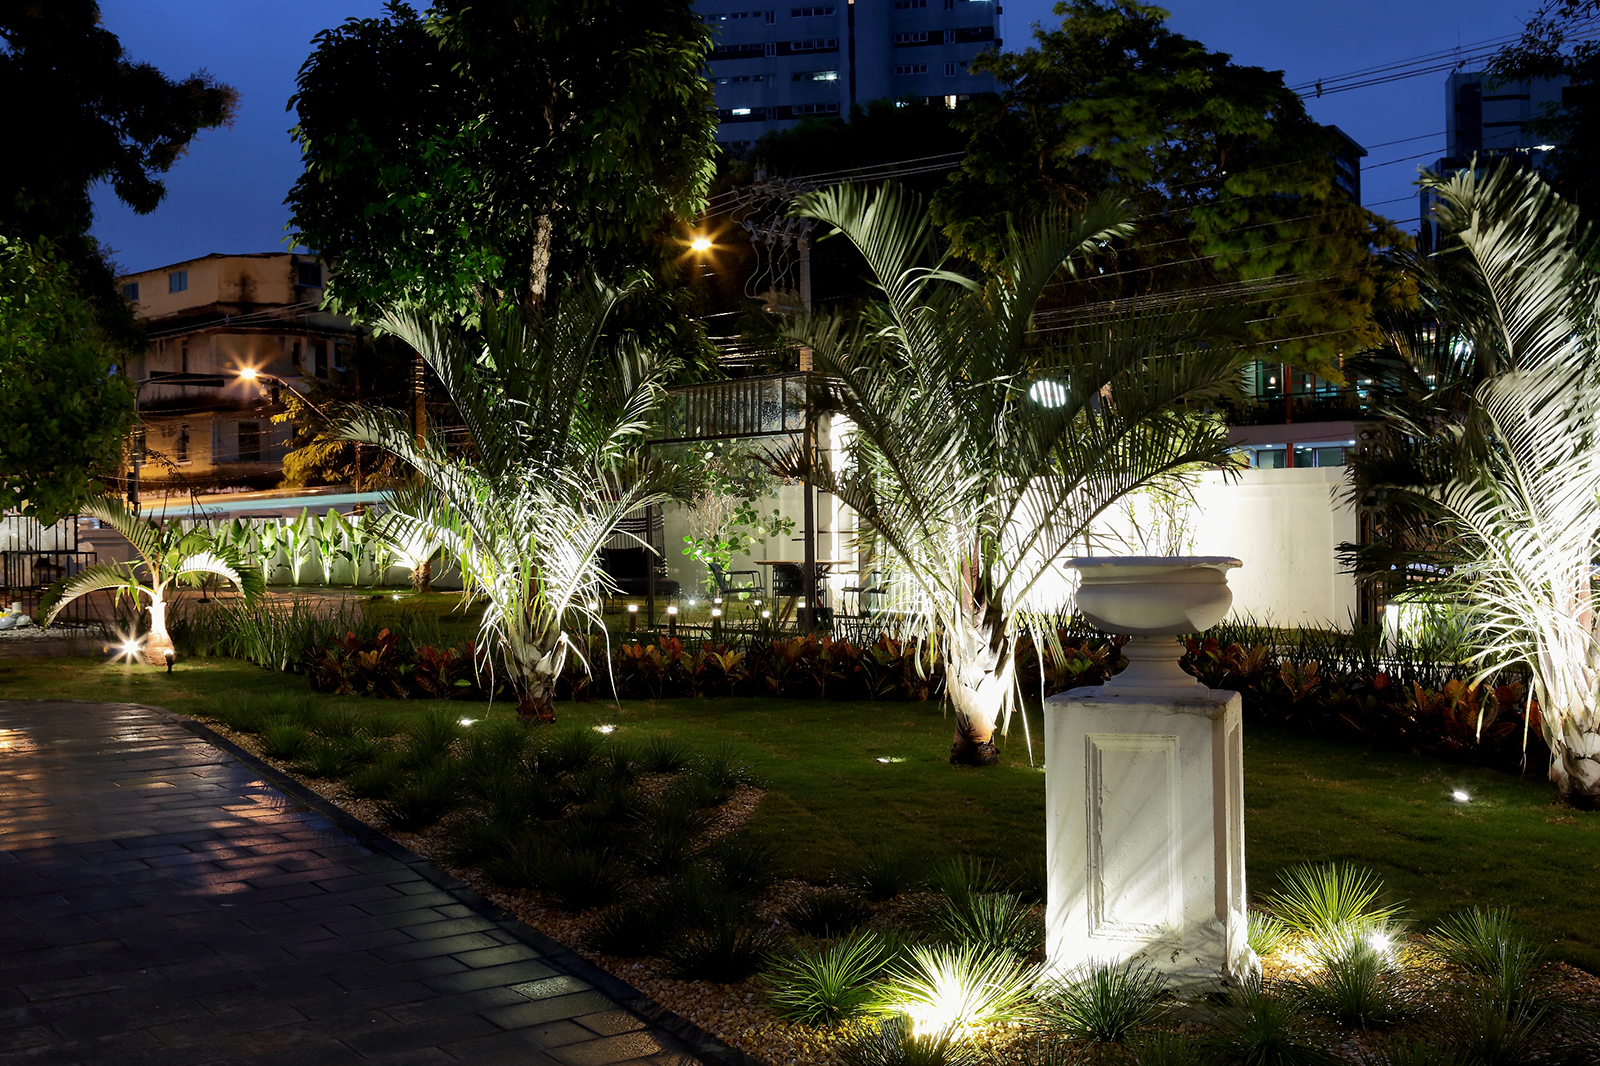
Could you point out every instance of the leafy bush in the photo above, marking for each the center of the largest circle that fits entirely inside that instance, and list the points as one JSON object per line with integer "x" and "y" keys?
{"x": 828, "y": 914}
{"x": 895, "y": 1042}
{"x": 823, "y": 986}
{"x": 962, "y": 987}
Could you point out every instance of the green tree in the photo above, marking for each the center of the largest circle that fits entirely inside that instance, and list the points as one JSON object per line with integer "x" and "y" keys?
{"x": 66, "y": 411}
{"x": 981, "y": 451}
{"x": 1232, "y": 180}
{"x": 488, "y": 151}
{"x": 84, "y": 112}
{"x": 1558, "y": 42}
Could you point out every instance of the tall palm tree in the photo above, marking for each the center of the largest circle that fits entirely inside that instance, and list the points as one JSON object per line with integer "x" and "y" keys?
{"x": 980, "y": 450}
{"x": 1525, "y": 513}
{"x": 165, "y": 554}
{"x": 554, "y": 418}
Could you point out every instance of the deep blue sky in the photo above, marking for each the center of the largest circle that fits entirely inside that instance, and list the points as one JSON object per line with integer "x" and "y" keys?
{"x": 227, "y": 194}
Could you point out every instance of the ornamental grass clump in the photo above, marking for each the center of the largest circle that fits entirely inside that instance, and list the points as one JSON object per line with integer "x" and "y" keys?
{"x": 957, "y": 988}
{"x": 1359, "y": 984}
{"x": 1483, "y": 944}
{"x": 422, "y": 798}
{"x": 898, "y": 1042}
{"x": 582, "y": 880}
{"x": 283, "y": 739}
{"x": 664, "y": 755}
{"x": 1331, "y": 905}
{"x": 319, "y": 757}
{"x": 744, "y": 865}
{"x": 828, "y": 914}
{"x": 996, "y": 921}
{"x": 1265, "y": 933}
{"x": 728, "y": 950}
{"x": 884, "y": 870}
{"x": 630, "y": 930}
{"x": 1255, "y": 1028}
{"x": 829, "y": 984}
{"x": 1104, "y": 1002}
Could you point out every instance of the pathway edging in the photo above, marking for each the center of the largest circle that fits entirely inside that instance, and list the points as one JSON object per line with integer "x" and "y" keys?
{"x": 702, "y": 1043}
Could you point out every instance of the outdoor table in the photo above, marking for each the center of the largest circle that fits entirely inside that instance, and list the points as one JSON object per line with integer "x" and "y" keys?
{"x": 822, "y": 565}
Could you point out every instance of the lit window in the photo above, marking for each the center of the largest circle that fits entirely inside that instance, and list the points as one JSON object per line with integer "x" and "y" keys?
{"x": 815, "y": 75}
{"x": 741, "y": 111}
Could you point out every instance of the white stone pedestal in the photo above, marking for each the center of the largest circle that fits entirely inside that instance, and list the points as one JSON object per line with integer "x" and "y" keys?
{"x": 1144, "y": 816}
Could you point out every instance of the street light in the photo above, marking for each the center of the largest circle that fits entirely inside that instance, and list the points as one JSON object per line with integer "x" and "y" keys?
{"x": 250, "y": 373}
{"x": 700, "y": 244}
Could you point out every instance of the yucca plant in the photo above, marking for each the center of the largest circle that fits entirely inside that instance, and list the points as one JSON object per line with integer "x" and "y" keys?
{"x": 1359, "y": 984}
{"x": 957, "y": 988}
{"x": 1266, "y": 934}
{"x": 165, "y": 554}
{"x": 1104, "y": 1002}
{"x": 899, "y": 1042}
{"x": 999, "y": 921}
{"x": 554, "y": 416}
{"x": 829, "y": 984}
{"x": 982, "y": 450}
{"x": 1259, "y": 1029}
{"x": 1332, "y": 904}
{"x": 1484, "y": 944}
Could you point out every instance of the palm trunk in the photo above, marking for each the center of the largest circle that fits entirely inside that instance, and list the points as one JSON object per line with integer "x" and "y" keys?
{"x": 980, "y": 675}
{"x": 1575, "y": 764}
{"x": 534, "y": 672}
{"x": 158, "y": 643}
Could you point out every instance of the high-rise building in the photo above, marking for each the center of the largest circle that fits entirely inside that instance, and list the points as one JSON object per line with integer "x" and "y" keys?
{"x": 1489, "y": 120}
{"x": 775, "y": 66}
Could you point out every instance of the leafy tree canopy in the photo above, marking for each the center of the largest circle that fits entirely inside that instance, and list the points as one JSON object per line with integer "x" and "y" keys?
{"x": 84, "y": 112}
{"x": 1554, "y": 45}
{"x": 488, "y": 150}
{"x": 909, "y": 134}
{"x": 66, "y": 413}
{"x": 1233, "y": 183}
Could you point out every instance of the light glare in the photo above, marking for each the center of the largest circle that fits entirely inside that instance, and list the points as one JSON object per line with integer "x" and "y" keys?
{"x": 1460, "y": 796}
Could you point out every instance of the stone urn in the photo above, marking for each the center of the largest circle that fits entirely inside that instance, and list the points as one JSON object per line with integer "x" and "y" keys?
{"x": 1153, "y": 599}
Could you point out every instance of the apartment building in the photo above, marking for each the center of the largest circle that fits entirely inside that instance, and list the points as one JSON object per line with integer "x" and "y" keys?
{"x": 773, "y": 66}
{"x": 204, "y": 426}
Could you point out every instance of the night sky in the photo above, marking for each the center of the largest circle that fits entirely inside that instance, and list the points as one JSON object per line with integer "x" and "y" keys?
{"x": 227, "y": 194}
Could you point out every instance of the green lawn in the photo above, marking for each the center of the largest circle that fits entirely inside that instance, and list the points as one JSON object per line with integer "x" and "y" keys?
{"x": 1305, "y": 800}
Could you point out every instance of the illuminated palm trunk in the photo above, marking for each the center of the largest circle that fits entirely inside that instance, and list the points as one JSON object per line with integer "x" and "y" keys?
{"x": 535, "y": 667}
{"x": 1567, "y": 683}
{"x": 980, "y": 675}
{"x": 158, "y": 642}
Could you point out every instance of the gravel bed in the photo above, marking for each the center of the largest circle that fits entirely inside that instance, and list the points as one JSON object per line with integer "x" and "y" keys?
{"x": 737, "y": 1014}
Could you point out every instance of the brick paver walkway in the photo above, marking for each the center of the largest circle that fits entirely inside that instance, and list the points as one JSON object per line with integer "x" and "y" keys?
{"x": 163, "y": 902}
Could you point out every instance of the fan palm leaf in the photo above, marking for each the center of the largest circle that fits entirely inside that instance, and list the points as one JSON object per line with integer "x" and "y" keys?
{"x": 971, "y": 481}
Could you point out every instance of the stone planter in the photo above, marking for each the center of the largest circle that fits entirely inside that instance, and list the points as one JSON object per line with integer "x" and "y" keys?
{"x": 1144, "y": 788}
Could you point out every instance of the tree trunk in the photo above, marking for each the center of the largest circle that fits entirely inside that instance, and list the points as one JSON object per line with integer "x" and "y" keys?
{"x": 979, "y": 678}
{"x": 1575, "y": 765}
{"x": 534, "y": 673}
{"x": 158, "y": 643}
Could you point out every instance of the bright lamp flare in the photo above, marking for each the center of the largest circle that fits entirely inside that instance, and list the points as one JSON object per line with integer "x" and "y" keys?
{"x": 700, "y": 244}
{"x": 249, "y": 373}
{"x": 1048, "y": 393}
{"x": 1460, "y": 796}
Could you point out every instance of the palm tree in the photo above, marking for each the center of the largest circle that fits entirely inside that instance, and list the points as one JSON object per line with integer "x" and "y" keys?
{"x": 554, "y": 418}
{"x": 165, "y": 555}
{"x": 1525, "y": 512}
{"x": 980, "y": 449}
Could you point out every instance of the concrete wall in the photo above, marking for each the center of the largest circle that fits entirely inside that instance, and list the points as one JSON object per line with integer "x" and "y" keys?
{"x": 1286, "y": 525}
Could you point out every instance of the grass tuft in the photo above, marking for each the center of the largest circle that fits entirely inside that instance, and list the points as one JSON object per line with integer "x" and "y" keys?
{"x": 895, "y": 1042}
{"x": 423, "y": 798}
{"x": 1104, "y": 1002}
{"x": 283, "y": 739}
{"x": 629, "y": 931}
{"x": 828, "y": 914}
{"x": 963, "y": 987}
{"x": 995, "y": 921}
{"x": 1331, "y": 904}
{"x": 827, "y": 985}
{"x": 884, "y": 870}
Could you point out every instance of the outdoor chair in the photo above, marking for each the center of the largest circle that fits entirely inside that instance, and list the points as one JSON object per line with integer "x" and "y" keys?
{"x": 869, "y": 595}
{"x": 734, "y": 583}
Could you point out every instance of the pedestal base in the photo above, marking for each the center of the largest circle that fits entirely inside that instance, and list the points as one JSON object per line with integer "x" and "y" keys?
{"x": 1144, "y": 809}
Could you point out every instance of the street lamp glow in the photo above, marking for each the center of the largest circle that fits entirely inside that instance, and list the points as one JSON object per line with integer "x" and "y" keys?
{"x": 700, "y": 244}
{"x": 249, "y": 373}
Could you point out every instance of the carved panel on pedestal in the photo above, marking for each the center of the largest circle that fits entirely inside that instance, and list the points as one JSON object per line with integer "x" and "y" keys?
{"x": 1134, "y": 834}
